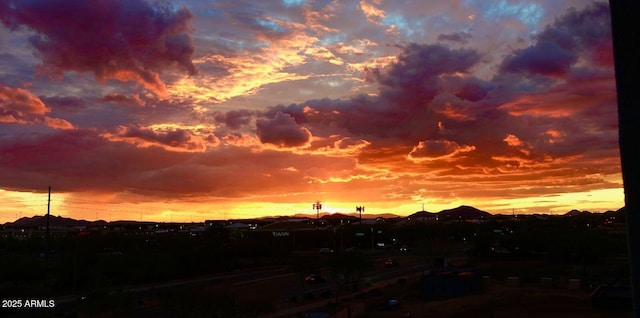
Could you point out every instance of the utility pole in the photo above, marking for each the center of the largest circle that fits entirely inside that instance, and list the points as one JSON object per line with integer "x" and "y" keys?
{"x": 48, "y": 244}
{"x": 48, "y": 215}
{"x": 372, "y": 238}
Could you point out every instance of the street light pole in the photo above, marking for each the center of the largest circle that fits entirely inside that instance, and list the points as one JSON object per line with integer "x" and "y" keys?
{"x": 372, "y": 234}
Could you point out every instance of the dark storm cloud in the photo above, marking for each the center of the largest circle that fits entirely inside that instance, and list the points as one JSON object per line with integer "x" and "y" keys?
{"x": 545, "y": 58}
{"x": 559, "y": 46}
{"x": 413, "y": 79}
{"x": 466, "y": 88}
{"x": 234, "y": 119}
{"x": 122, "y": 39}
{"x": 173, "y": 139}
{"x": 401, "y": 109}
{"x": 282, "y": 131}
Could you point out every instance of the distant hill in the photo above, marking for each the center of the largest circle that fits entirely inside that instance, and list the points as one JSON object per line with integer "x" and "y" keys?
{"x": 422, "y": 214}
{"x": 54, "y": 221}
{"x": 339, "y": 216}
{"x": 461, "y": 212}
{"x": 464, "y": 212}
{"x": 347, "y": 215}
{"x": 617, "y": 212}
{"x": 577, "y": 213}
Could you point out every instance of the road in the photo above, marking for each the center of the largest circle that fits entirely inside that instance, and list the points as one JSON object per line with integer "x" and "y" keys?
{"x": 277, "y": 284}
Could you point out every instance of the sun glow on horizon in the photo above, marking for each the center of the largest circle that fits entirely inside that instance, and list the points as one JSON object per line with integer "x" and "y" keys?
{"x": 21, "y": 204}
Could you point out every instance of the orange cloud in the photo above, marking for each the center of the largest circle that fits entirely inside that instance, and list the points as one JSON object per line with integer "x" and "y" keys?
{"x": 553, "y": 136}
{"x": 372, "y": 13}
{"x": 512, "y": 140}
{"x": 18, "y": 105}
{"x": 21, "y": 101}
{"x": 248, "y": 71}
{"x": 429, "y": 150}
{"x": 314, "y": 18}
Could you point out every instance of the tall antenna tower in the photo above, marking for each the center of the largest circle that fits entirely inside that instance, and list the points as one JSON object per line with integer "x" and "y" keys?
{"x": 360, "y": 209}
{"x": 317, "y": 206}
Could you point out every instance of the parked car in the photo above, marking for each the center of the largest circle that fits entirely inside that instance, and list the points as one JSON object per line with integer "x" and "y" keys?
{"x": 326, "y": 250}
{"x": 315, "y": 279}
{"x": 393, "y": 304}
{"x": 391, "y": 263}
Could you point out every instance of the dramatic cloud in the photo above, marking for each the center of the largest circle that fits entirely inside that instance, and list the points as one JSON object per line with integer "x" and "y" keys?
{"x": 234, "y": 119}
{"x": 499, "y": 106}
{"x": 282, "y": 131}
{"x": 132, "y": 40}
{"x": 560, "y": 45}
{"x": 20, "y": 106}
{"x": 413, "y": 79}
{"x": 169, "y": 138}
{"x": 437, "y": 149}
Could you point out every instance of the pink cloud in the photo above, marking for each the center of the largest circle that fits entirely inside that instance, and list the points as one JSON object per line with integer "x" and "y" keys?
{"x": 20, "y": 101}
{"x": 18, "y": 105}
{"x": 131, "y": 40}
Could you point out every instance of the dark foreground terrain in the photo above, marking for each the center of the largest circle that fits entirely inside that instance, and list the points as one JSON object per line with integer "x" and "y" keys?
{"x": 535, "y": 266}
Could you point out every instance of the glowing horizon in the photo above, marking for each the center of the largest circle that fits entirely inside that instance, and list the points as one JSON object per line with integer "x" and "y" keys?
{"x": 154, "y": 212}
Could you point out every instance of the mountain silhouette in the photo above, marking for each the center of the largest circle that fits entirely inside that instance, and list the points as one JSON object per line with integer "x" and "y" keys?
{"x": 461, "y": 212}
{"x": 464, "y": 212}
{"x": 54, "y": 221}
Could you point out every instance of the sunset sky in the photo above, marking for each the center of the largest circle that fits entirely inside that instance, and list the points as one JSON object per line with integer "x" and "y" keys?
{"x": 193, "y": 110}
